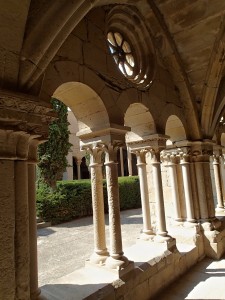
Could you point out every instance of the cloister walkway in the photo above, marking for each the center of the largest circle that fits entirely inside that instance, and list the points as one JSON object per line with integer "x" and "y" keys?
{"x": 62, "y": 249}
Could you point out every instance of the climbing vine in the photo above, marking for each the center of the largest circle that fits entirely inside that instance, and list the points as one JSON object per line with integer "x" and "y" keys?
{"x": 52, "y": 154}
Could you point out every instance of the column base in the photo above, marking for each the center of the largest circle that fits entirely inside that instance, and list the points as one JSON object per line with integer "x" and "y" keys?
{"x": 147, "y": 235}
{"x": 190, "y": 224}
{"x": 220, "y": 209}
{"x": 99, "y": 258}
{"x": 169, "y": 241}
{"x": 121, "y": 265}
{"x": 37, "y": 296}
{"x": 206, "y": 225}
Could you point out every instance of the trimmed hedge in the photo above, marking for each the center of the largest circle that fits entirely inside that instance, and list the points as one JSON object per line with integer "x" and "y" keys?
{"x": 72, "y": 199}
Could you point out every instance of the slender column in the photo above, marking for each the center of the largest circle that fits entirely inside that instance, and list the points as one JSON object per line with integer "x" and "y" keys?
{"x": 116, "y": 259}
{"x": 201, "y": 190}
{"x": 100, "y": 251}
{"x": 32, "y": 160}
{"x": 7, "y": 230}
{"x": 172, "y": 165}
{"x": 78, "y": 162}
{"x": 218, "y": 182}
{"x": 157, "y": 178}
{"x": 222, "y": 175}
{"x": 185, "y": 166}
{"x": 194, "y": 191}
{"x": 147, "y": 232}
{"x": 22, "y": 253}
{"x": 129, "y": 161}
{"x": 121, "y": 162}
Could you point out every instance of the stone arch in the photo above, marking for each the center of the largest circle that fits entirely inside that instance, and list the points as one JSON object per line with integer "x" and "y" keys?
{"x": 175, "y": 130}
{"x": 141, "y": 122}
{"x": 86, "y": 105}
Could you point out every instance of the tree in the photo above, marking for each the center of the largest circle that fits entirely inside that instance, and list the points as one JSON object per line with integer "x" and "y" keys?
{"x": 52, "y": 154}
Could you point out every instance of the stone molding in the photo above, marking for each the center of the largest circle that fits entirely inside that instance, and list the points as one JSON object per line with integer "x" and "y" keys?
{"x": 22, "y": 112}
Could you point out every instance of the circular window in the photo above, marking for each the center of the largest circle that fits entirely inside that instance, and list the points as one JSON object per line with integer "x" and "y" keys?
{"x": 122, "y": 53}
{"x": 130, "y": 45}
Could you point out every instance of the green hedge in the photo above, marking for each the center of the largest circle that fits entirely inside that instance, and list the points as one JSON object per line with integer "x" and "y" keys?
{"x": 72, "y": 199}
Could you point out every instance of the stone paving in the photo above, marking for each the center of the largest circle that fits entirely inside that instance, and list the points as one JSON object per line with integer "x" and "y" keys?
{"x": 64, "y": 248}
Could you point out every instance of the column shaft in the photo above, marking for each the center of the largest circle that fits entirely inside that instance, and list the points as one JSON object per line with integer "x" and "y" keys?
{"x": 185, "y": 166}
{"x": 34, "y": 290}
{"x": 175, "y": 192}
{"x": 147, "y": 227}
{"x": 129, "y": 161}
{"x": 100, "y": 250}
{"x": 159, "y": 199}
{"x": 116, "y": 250}
{"x": 201, "y": 191}
{"x": 121, "y": 162}
{"x": 218, "y": 183}
{"x": 7, "y": 230}
{"x": 22, "y": 253}
{"x": 194, "y": 191}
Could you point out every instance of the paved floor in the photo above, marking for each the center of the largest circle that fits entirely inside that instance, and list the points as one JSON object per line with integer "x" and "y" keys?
{"x": 64, "y": 248}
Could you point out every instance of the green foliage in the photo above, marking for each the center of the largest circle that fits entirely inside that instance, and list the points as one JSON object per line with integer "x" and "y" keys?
{"x": 52, "y": 154}
{"x": 72, "y": 199}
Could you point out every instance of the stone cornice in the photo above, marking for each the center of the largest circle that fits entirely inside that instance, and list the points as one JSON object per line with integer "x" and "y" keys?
{"x": 22, "y": 112}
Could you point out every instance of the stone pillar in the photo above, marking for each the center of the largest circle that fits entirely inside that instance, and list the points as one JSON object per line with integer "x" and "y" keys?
{"x": 7, "y": 228}
{"x": 22, "y": 251}
{"x": 116, "y": 260}
{"x": 204, "y": 215}
{"x": 129, "y": 161}
{"x": 100, "y": 251}
{"x": 121, "y": 162}
{"x": 194, "y": 191}
{"x": 157, "y": 179}
{"x": 78, "y": 162}
{"x": 32, "y": 160}
{"x": 147, "y": 232}
{"x": 185, "y": 166}
{"x": 218, "y": 182}
{"x": 172, "y": 166}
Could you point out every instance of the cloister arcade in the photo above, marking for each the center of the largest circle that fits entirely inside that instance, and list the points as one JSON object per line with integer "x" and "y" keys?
{"x": 136, "y": 74}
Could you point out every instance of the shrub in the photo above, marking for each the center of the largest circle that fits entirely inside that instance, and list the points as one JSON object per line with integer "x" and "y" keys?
{"x": 72, "y": 199}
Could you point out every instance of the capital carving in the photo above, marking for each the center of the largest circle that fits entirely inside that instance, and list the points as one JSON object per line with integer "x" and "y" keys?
{"x": 110, "y": 150}
{"x": 141, "y": 155}
{"x": 95, "y": 150}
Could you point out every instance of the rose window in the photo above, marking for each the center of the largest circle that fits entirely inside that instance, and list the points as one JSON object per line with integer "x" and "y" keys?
{"x": 130, "y": 45}
{"x": 121, "y": 52}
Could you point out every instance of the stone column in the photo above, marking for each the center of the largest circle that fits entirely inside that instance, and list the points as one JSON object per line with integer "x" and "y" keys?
{"x": 194, "y": 191}
{"x": 121, "y": 162}
{"x": 172, "y": 166}
{"x": 185, "y": 166}
{"x": 116, "y": 260}
{"x": 7, "y": 228}
{"x": 22, "y": 251}
{"x": 162, "y": 232}
{"x": 218, "y": 183}
{"x": 147, "y": 232}
{"x": 201, "y": 189}
{"x": 100, "y": 251}
{"x": 32, "y": 160}
{"x": 78, "y": 162}
{"x": 129, "y": 162}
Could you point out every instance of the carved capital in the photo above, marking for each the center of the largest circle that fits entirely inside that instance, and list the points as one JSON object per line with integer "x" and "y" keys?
{"x": 141, "y": 155}
{"x": 110, "y": 150}
{"x": 170, "y": 157}
{"x": 95, "y": 150}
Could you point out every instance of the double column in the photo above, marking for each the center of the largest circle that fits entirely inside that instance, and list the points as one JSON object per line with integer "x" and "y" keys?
{"x": 114, "y": 259}
{"x": 18, "y": 238}
{"x": 147, "y": 231}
